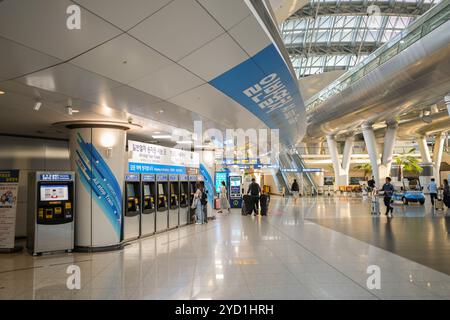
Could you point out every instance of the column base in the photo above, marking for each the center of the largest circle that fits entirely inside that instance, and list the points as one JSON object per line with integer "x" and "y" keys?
{"x": 115, "y": 247}
{"x": 16, "y": 249}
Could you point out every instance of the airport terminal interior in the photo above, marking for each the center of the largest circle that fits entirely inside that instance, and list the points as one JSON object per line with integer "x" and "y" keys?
{"x": 224, "y": 150}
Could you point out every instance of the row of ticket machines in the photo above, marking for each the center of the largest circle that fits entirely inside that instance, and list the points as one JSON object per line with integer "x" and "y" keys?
{"x": 155, "y": 203}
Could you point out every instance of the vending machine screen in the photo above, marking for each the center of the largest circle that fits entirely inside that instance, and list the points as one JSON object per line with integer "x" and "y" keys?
{"x": 54, "y": 193}
{"x": 160, "y": 189}
{"x": 146, "y": 190}
{"x": 130, "y": 190}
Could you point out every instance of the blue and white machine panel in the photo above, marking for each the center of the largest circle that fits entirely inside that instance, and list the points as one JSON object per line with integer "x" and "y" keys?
{"x": 148, "y": 177}
{"x": 193, "y": 178}
{"x": 132, "y": 177}
{"x": 173, "y": 177}
{"x": 184, "y": 177}
{"x": 162, "y": 177}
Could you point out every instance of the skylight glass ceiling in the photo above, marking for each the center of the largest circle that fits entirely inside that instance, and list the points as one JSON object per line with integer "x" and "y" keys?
{"x": 331, "y": 35}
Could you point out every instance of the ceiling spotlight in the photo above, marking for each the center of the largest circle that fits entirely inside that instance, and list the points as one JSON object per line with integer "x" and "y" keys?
{"x": 2, "y": 92}
{"x": 160, "y": 111}
{"x": 71, "y": 111}
{"x": 37, "y": 106}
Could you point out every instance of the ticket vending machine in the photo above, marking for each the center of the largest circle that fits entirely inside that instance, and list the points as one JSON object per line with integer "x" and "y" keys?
{"x": 162, "y": 203}
{"x": 174, "y": 203}
{"x": 184, "y": 199}
{"x": 50, "y": 223}
{"x": 235, "y": 191}
{"x": 148, "y": 215}
{"x": 192, "y": 189}
{"x": 132, "y": 214}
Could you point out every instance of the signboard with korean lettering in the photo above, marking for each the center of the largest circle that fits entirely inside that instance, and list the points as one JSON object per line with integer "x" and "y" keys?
{"x": 264, "y": 85}
{"x": 9, "y": 185}
{"x": 154, "y": 159}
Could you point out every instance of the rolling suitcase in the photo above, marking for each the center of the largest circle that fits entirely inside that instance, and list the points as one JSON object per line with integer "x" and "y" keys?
{"x": 247, "y": 205}
{"x": 439, "y": 204}
{"x": 263, "y": 201}
{"x": 375, "y": 206}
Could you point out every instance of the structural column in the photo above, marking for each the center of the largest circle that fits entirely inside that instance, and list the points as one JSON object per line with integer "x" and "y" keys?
{"x": 437, "y": 155}
{"x": 427, "y": 164}
{"x": 341, "y": 170}
{"x": 97, "y": 154}
{"x": 380, "y": 167}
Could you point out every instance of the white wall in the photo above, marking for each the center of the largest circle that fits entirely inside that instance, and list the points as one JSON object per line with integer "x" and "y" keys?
{"x": 29, "y": 154}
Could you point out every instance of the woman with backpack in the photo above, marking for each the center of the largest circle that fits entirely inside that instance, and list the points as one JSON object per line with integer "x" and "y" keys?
{"x": 197, "y": 205}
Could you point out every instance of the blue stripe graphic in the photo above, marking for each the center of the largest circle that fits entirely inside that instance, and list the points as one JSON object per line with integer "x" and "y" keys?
{"x": 96, "y": 176}
{"x": 209, "y": 183}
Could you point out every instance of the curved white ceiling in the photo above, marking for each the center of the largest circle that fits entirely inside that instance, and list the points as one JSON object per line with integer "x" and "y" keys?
{"x": 130, "y": 58}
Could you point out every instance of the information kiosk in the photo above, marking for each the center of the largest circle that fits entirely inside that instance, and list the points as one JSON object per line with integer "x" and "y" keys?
{"x": 235, "y": 191}
{"x": 50, "y": 223}
{"x": 184, "y": 199}
{"x": 131, "y": 221}
{"x": 162, "y": 207}
{"x": 148, "y": 215}
{"x": 174, "y": 189}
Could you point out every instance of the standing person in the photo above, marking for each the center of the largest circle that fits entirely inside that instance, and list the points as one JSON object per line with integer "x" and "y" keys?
{"x": 199, "y": 219}
{"x": 224, "y": 204}
{"x": 388, "y": 190}
{"x": 446, "y": 193}
{"x": 254, "y": 190}
{"x": 432, "y": 188}
{"x": 295, "y": 190}
{"x": 371, "y": 184}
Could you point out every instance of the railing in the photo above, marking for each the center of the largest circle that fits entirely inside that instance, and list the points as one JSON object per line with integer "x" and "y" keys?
{"x": 425, "y": 24}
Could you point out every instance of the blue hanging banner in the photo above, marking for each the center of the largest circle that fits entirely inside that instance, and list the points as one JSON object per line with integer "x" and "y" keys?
{"x": 264, "y": 85}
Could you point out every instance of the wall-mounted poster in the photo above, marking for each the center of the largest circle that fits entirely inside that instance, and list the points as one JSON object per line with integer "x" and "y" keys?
{"x": 9, "y": 185}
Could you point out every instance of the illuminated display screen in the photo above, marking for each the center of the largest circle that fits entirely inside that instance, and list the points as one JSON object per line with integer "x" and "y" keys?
{"x": 160, "y": 188}
{"x": 130, "y": 190}
{"x": 146, "y": 190}
{"x": 54, "y": 193}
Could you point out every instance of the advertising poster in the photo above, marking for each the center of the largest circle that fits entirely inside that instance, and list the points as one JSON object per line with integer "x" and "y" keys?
{"x": 9, "y": 185}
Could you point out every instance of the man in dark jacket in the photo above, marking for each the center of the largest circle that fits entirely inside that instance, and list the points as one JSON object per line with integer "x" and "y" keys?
{"x": 254, "y": 190}
{"x": 371, "y": 184}
{"x": 388, "y": 190}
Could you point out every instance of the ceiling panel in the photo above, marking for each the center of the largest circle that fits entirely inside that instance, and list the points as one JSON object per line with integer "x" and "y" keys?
{"x": 178, "y": 29}
{"x": 250, "y": 35}
{"x": 123, "y": 98}
{"x": 213, "y": 104}
{"x": 168, "y": 82}
{"x": 215, "y": 58}
{"x": 227, "y": 12}
{"x": 69, "y": 80}
{"x": 123, "y": 59}
{"x": 43, "y": 27}
{"x": 17, "y": 60}
{"x": 123, "y": 14}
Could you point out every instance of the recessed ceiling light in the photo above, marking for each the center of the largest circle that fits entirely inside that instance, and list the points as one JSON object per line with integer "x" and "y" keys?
{"x": 162, "y": 136}
{"x": 185, "y": 142}
{"x": 160, "y": 111}
{"x": 37, "y": 106}
{"x": 2, "y": 92}
{"x": 156, "y": 132}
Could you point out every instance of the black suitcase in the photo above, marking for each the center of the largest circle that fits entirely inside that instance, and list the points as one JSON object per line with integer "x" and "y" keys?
{"x": 247, "y": 205}
{"x": 264, "y": 203}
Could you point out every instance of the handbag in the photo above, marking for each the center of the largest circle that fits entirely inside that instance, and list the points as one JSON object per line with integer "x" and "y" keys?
{"x": 194, "y": 203}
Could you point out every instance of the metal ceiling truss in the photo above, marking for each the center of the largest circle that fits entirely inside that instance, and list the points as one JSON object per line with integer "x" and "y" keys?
{"x": 343, "y": 30}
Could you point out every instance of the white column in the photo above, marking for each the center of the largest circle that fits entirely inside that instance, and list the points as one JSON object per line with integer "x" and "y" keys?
{"x": 388, "y": 149}
{"x": 447, "y": 102}
{"x": 424, "y": 151}
{"x": 437, "y": 155}
{"x": 371, "y": 144}
{"x": 340, "y": 170}
{"x": 98, "y": 157}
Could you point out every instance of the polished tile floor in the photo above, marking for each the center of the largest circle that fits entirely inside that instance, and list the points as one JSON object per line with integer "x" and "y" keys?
{"x": 283, "y": 256}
